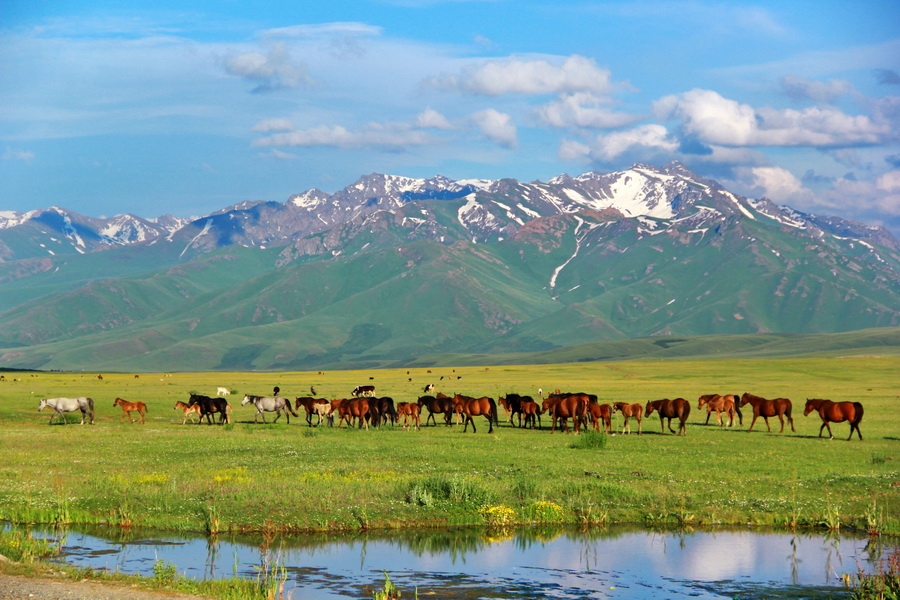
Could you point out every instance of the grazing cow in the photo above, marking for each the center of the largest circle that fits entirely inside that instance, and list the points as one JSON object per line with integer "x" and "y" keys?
{"x": 188, "y": 411}
{"x": 222, "y": 391}
{"x": 429, "y": 388}
{"x": 630, "y": 410}
{"x": 410, "y": 412}
{"x": 130, "y": 407}
{"x": 363, "y": 390}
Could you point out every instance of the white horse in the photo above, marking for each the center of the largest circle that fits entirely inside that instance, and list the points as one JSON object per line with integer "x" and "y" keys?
{"x": 64, "y": 405}
{"x": 269, "y": 404}
{"x": 222, "y": 391}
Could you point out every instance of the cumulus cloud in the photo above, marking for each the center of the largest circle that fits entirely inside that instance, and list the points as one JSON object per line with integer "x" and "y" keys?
{"x": 496, "y": 126}
{"x": 583, "y": 109}
{"x": 432, "y": 119}
{"x": 780, "y": 185}
{"x": 519, "y": 76}
{"x": 717, "y": 120}
{"x": 271, "y": 71}
{"x": 651, "y": 137}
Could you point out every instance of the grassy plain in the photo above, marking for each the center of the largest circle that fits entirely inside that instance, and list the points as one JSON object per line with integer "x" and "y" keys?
{"x": 279, "y": 478}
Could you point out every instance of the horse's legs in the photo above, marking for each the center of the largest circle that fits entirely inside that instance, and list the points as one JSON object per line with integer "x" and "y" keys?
{"x": 753, "y": 422}
{"x": 670, "y": 425}
{"x": 708, "y": 415}
{"x": 791, "y": 421}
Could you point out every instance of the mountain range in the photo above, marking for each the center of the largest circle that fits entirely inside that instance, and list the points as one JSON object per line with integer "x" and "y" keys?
{"x": 395, "y": 270}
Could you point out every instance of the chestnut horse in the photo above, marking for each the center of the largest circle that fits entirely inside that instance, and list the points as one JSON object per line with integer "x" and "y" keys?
{"x": 130, "y": 407}
{"x": 779, "y": 407}
{"x": 410, "y": 412}
{"x": 564, "y": 407}
{"x": 357, "y": 408}
{"x": 188, "y": 410}
{"x": 836, "y": 412}
{"x": 718, "y": 404}
{"x": 598, "y": 413}
{"x": 475, "y": 407}
{"x": 437, "y": 406}
{"x": 679, "y": 408}
{"x": 309, "y": 404}
{"x": 630, "y": 410}
{"x": 532, "y": 412}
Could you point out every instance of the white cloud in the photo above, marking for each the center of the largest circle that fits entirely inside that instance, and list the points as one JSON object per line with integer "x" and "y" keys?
{"x": 270, "y": 125}
{"x": 271, "y": 71}
{"x": 496, "y": 126}
{"x": 650, "y": 137}
{"x": 432, "y": 119}
{"x": 391, "y": 135}
{"x": 780, "y": 185}
{"x": 23, "y": 155}
{"x": 583, "y": 109}
{"x": 519, "y": 76}
{"x": 717, "y": 120}
{"x": 817, "y": 91}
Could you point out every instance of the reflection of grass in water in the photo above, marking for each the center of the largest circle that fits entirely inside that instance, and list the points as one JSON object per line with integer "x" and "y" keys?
{"x": 728, "y": 589}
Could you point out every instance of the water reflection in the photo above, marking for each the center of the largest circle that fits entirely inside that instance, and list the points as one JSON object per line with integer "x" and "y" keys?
{"x": 536, "y": 562}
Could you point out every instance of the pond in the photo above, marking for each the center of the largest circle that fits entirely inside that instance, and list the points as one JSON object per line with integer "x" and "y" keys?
{"x": 618, "y": 562}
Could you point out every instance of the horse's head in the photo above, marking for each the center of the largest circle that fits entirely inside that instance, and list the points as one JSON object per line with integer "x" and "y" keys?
{"x": 811, "y": 405}
{"x": 745, "y": 398}
{"x": 246, "y": 400}
{"x": 43, "y": 405}
{"x": 117, "y": 401}
{"x": 648, "y": 410}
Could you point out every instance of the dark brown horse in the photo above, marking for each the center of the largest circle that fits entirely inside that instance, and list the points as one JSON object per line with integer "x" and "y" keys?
{"x": 437, "y": 406}
{"x": 679, "y": 408}
{"x": 601, "y": 413}
{"x": 836, "y": 412}
{"x": 564, "y": 407}
{"x": 476, "y": 407}
{"x": 779, "y": 407}
{"x": 512, "y": 404}
{"x": 130, "y": 407}
{"x": 630, "y": 410}
{"x": 210, "y": 406}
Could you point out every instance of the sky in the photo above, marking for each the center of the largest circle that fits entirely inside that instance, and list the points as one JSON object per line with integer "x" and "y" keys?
{"x": 186, "y": 107}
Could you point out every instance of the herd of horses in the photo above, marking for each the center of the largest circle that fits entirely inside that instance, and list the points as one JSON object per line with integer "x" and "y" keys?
{"x": 582, "y": 409}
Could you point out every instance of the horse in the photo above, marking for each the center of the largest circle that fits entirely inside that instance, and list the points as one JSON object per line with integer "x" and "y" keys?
{"x": 314, "y": 406}
{"x": 437, "y": 406}
{"x": 64, "y": 405}
{"x": 779, "y": 407}
{"x": 836, "y": 412}
{"x": 474, "y": 407}
{"x": 210, "y": 406}
{"x": 532, "y": 412}
{"x": 188, "y": 410}
{"x": 385, "y": 410}
{"x": 564, "y": 407}
{"x": 512, "y": 404}
{"x": 679, "y": 408}
{"x": 265, "y": 404}
{"x": 130, "y": 407}
{"x": 410, "y": 412}
{"x": 598, "y": 413}
{"x": 356, "y": 408}
{"x": 718, "y": 404}
{"x": 630, "y": 410}
{"x": 222, "y": 391}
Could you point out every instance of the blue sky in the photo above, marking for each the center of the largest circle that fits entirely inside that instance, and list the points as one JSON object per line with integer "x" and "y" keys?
{"x": 187, "y": 107}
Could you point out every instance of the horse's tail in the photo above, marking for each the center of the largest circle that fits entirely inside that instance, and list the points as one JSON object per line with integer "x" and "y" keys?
{"x": 859, "y": 412}
{"x": 493, "y": 405}
{"x": 288, "y": 405}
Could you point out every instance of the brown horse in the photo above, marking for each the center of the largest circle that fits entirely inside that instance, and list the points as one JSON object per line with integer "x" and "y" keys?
{"x": 779, "y": 407}
{"x": 130, "y": 407}
{"x": 188, "y": 411}
{"x": 836, "y": 412}
{"x": 598, "y": 413}
{"x": 718, "y": 404}
{"x": 564, "y": 407}
{"x": 410, "y": 412}
{"x": 437, "y": 406}
{"x": 476, "y": 407}
{"x": 532, "y": 412}
{"x": 630, "y": 410}
{"x": 679, "y": 408}
{"x": 355, "y": 408}
{"x": 309, "y": 404}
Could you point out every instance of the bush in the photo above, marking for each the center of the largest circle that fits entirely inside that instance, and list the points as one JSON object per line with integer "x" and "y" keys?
{"x": 590, "y": 441}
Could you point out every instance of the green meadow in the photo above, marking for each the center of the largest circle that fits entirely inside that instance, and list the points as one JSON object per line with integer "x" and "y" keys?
{"x": 279, "y": 478}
